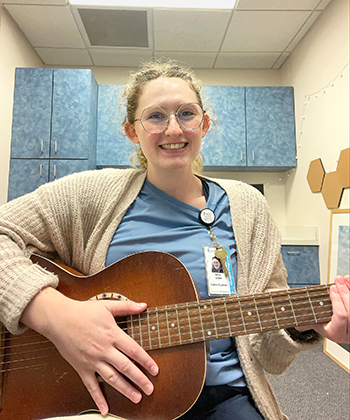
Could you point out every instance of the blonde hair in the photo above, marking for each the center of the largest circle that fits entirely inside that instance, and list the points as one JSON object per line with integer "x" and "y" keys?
{"x": 132, "y": 91}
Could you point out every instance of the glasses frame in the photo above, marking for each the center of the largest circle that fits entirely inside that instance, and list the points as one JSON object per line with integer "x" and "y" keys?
{"x": 168, "y": 117}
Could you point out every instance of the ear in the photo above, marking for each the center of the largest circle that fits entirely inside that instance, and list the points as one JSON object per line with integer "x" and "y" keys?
{"x": 206, "y": 124}
{"x": 130, "y": 132}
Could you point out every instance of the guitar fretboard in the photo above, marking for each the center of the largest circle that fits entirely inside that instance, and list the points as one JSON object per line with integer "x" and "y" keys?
{"x": 186, "y": 323}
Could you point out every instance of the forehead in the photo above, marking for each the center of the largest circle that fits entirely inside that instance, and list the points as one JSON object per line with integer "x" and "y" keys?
{"x": 166, "y": 91}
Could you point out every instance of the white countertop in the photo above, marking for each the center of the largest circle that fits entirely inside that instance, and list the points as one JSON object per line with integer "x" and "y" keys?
{"x": 299, "y": 235}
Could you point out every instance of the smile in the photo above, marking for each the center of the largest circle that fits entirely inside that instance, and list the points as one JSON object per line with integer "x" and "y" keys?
{"x": 173, "y": 146}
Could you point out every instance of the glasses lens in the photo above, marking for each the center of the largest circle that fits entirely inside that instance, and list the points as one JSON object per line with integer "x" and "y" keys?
{"x": 154, "y": 120}
{"x": 190, "y": 116}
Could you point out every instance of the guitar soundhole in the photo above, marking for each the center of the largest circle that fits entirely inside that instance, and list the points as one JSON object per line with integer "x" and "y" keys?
{"x": 110, "y": 296}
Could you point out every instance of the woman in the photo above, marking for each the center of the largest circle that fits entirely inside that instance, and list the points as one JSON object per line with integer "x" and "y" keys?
{"x": 92, "y": 219}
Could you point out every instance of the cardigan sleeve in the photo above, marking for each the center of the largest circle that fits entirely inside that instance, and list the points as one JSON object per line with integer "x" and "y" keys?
{"x": 275, "y": 350}
{"x": 261, "y": 268}
{"x": 72, "y": 218}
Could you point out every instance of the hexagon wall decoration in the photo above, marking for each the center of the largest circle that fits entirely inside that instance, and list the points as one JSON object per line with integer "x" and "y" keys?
{"x": 330, "y": 184}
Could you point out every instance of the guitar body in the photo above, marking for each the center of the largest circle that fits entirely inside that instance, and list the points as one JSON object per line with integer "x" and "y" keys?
{"x": 51, "y": 387}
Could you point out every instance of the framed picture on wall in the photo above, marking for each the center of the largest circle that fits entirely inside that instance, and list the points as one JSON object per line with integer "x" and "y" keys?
{"x": 339, "y": 264}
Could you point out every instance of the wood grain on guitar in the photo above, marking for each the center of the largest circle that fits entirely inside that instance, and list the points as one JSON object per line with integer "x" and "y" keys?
{"x": 38, "y": 382}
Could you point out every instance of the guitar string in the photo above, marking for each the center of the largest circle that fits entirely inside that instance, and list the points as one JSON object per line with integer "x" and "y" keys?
{"x": 199, "y": 305}
{"x": 182, "y": 322}
{"x": 232, "y": 305}
{"x": 173, "y": 343}
{"x": 189, "y": 340}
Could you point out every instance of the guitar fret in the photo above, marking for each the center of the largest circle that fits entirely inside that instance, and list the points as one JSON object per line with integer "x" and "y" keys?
{"x": 189, "y": 322}
{"x": 201, "y": 321}
{"x": 149, "y": 332}
{"x": 158, "y": 328}
{"x": 178, "y": 324}
{"x": 257, "y": 313}
{"x": 140, "y": 326}
{"x": 292, "y": 308}
{"x": 242, "y": 315}
{"x": 167, "y": 325}
{"x": 312, "y": 308}
{"x": 214, "y": 322}
{"x": 227, "y": 317}
{"x": 274, "y": 310}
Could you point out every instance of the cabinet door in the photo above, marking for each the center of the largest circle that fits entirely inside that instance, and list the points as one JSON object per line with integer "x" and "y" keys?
{"x": 74, "y": 116}
{"x": 270, "y": 127}
{"x": 302, "y": 265}
{"x": 113, "y": 149}
{"x": 225, "y": 146}
{"x": 26, "y": 175}
{"x": 31, "y": 126}
{"x": 61, "y": 167}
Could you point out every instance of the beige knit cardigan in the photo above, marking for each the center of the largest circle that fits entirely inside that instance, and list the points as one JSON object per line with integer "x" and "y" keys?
{"x": 74, "y": 218}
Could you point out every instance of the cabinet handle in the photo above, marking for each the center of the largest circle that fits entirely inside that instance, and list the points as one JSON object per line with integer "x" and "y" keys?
{"x": 56, "y": 147}
{"x": 54, "y": 171}
{"x": 241, "y": 155}
{"x": 41, "y": 170}
{"x": 253, "y": 156}
{"x": 293, "y": 252}
{"x": 42, "y": 146}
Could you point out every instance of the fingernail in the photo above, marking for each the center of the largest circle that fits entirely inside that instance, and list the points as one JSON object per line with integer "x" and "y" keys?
{"x": 148, "y": 389}
{"x": 136, "y": 397}
{"x": 154, "y": 370}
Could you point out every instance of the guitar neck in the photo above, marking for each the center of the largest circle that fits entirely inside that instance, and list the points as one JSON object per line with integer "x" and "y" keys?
{"x": 186, "y": 323}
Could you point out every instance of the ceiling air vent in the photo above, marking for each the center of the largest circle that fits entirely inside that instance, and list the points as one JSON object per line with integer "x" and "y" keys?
{"x": 115, "y": 28}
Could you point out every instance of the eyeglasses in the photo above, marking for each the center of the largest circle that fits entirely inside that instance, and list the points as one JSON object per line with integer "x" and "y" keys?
{"x": 155, "y": 119}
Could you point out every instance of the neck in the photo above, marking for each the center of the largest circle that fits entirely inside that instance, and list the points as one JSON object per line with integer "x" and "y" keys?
{"x": 183, "y": 186}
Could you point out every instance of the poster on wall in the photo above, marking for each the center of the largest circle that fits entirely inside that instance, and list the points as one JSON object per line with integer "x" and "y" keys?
{"x": 339, "y": 265}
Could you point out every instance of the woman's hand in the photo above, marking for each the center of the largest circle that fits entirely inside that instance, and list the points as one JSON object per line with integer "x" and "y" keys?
{"x": 337, "y": 329}
{"x": 87, "y": 336}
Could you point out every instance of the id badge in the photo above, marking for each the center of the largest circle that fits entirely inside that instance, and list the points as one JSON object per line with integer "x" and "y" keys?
{"x": 218, "y": 283}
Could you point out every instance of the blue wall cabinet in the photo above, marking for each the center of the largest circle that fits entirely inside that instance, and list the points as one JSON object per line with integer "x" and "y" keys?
{"x": 54, "y": 126}
{"x": 113, "y": 148}
{"x": 63, "y": 167}
{"x": 26, "y": 175}
{"x": 302, "y": 265}
{"x": 224, "y": 146}
{"x": 270, "y": 128}
{"x": 31, "y": 126}
{"x": 74, "y": 115}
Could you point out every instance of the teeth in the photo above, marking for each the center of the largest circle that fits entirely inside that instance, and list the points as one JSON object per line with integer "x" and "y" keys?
{"x": 174, "y": 146}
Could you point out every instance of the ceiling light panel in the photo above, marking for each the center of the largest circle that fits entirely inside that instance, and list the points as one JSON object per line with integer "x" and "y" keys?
{"x": 181, "y": 4}
{"x": 115, "y": 28}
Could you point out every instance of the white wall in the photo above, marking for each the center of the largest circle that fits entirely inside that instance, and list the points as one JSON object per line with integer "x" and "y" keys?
{"x": 315, "y": 62}
{"x": 318, "y": 60}
{"x": 15, "y": 51}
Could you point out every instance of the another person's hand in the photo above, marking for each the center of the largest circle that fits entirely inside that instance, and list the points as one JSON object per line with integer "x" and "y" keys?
{"x": 337, "y": 329}
{"x": 87, "y": 336}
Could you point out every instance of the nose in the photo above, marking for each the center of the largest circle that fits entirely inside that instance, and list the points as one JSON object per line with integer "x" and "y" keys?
{"x": 173, "y": 127}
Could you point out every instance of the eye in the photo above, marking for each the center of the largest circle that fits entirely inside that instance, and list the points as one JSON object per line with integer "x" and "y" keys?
{"x": 155, "y": 116}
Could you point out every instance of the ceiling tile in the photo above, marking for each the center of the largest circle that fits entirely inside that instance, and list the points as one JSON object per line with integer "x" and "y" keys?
{"x": 189, "y": 30}
{"x": 46, "y": 2}
{"x": 246, "y": 60}
{"x": 120, "y": 58}
{"x": 263, "y": 30}
{"x": 283, "y": 57}
{"x": 64, "y": 56}
{"x": 303, "y": 30}
{"x": 277, "y": 4}
{"x": 195, "y": 60}
{"x": 47, "y": 26}
{"x": 323, "y": 4}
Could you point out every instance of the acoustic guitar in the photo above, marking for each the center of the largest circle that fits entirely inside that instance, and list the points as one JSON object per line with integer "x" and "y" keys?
{"x": 36, "y": 382}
